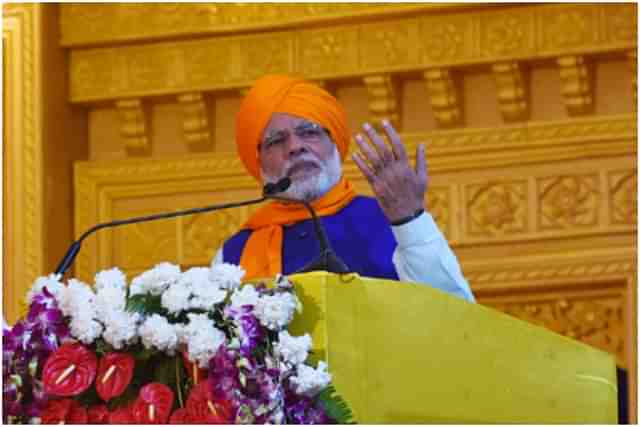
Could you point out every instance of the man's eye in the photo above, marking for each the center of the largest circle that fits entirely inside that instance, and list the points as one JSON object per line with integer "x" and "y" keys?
{"x": 309, "y": 133}
{"x": 273, "y": 142}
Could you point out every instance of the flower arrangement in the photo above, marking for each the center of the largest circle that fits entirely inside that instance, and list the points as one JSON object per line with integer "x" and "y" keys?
{"x": 176, "y": 347}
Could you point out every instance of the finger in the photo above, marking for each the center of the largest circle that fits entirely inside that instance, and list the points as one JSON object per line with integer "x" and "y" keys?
{"x": 421, "y": 164}
{"x": 363, "y": 166}
{"x": 385, "y": 154}
{"x": 394, "y": 139}
{"x": 369, "y": 153}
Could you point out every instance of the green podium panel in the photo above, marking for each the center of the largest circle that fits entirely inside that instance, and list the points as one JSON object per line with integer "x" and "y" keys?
{"x": 407, "y": 353}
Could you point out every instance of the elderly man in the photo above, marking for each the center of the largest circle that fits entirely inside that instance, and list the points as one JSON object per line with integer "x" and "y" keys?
{"x": 291, "y": 128}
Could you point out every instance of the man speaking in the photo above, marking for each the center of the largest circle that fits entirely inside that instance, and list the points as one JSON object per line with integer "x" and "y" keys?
{"x": 288, "y": 127}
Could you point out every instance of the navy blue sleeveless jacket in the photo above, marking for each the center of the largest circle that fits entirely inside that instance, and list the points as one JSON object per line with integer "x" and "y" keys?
{"x": 360, "y": 234}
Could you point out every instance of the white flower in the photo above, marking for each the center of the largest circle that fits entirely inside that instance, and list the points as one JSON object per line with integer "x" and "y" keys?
{"x": 247, "y": 295}
{"x": 309, "y": 381}
{"x": 156, "y": 280}
{"x": 52, "y": 282}
{"x": 276, "y": 311}
{"x": 109, "y": 298}
{"x": 156, "y": 331}
{"x": 176, "y": 298}
{"x": 121, "y": 328}
{"x": 227, "y": 276}
{"x": 203, "y": 339}
{"x": 283, "y": 282}
{"x": 84, "y": 327}
{"x": 205, "y": 293}
{"x": 76, "y": 297}
{"x": 293, "y": 350}
{"x": 113, "y": 278}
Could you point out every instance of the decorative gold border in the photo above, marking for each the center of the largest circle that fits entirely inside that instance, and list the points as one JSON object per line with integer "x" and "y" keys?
{"x": 174, "y": 20}
{"x": 414, "y": 43}
{"x": 21, "y": 29}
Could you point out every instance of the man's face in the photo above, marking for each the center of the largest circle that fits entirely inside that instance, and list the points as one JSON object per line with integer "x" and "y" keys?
{"x": 302, "y": 150}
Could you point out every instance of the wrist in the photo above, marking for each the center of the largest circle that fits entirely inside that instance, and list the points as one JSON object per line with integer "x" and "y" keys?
{"x": 404, "y": 220}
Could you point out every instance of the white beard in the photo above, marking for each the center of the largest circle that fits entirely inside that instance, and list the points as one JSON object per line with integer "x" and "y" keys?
{"x": 314, "y": 187}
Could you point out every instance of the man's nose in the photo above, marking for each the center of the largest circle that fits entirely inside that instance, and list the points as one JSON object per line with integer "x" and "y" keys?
{"x": 296, "y": 145}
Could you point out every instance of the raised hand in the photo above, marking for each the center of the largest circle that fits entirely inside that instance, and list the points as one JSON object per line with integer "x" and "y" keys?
{"x": 399, "y": 188}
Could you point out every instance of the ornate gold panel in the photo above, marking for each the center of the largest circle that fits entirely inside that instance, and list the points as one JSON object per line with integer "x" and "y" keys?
{"x": 481, "y": 35}
{"x": 89, "y": 24}
{"x": 23, "y": 150}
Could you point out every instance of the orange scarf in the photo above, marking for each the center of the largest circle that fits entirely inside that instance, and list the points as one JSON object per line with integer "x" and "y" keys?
{"x": 262, "y": 254}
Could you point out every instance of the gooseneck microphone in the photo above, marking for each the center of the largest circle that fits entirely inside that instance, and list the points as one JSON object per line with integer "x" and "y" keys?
{"x": 72, "y": 252}
{"x": 328, "y": 260}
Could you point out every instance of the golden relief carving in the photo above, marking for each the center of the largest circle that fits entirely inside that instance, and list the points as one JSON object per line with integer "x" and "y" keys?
{"x": 497, "y": 208}
{"x": 565, "y": 27}
{"x": 325, "y": 52}
{"x": 443, "y": 94}
{"x": 195, "y": 121}
{"x": 383, "y": 102}
{"x": 445, "y": 38}
{"x": 624, "y": 197}
{"x": 511, "y": 90}
{"x": 133, "y": 126}
{"x": 596, "y": 321}
{"x": 89, "y": 24}
{"x": 632, "y": 56}
{"x": 388, "y": 46}
{"x": 438, "y": 205}
{"x": 621, "y": 22}
{"x": 402, "y": 44}
{"x": 576, "y": 84}
{"x": 506, "y": 34}
{"x": 203, "y": 235}
{"x": 140, "y": 246}
{"x": 568, "y": 201}
{"x": 21, "y": 35}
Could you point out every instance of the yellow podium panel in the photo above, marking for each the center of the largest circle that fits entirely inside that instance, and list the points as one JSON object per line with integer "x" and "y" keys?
{"x": 407, "y": 353}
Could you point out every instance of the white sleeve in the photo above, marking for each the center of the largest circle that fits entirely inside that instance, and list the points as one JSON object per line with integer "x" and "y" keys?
{"x": 424, "y": 256}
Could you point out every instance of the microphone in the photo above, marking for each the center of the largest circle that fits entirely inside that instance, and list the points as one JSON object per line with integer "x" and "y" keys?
{"x": 328, "y": 260}
{"x": 73, "y": 250}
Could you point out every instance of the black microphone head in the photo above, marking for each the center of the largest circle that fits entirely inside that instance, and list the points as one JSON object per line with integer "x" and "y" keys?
{"x": 283, "y": 184}
{"x": 272, "y": 188}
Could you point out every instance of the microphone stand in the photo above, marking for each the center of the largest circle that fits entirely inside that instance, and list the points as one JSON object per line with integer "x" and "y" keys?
{"x": 73, "y": 250}
{"x": 327, "y": 260}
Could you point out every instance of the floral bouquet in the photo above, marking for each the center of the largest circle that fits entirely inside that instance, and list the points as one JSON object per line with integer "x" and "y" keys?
{"x": 175, "y": 347}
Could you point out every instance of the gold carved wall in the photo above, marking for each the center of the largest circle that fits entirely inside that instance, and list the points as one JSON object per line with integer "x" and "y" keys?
{"x": 531, "y": 134}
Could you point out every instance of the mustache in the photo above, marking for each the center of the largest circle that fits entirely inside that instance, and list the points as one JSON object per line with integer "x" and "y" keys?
{"x": 300, "y": 163}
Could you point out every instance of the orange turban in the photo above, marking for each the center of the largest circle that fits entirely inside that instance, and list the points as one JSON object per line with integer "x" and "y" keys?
{"x": 284, "y": 94}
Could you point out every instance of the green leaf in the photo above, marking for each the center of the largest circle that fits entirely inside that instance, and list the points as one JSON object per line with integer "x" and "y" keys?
{"x": 145, "y": 304}
{"x": 335, "y": 406}
{"x": 164, "y": 371}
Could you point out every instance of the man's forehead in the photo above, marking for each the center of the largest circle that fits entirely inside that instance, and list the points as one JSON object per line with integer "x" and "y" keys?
{"x": 284, "y": 120}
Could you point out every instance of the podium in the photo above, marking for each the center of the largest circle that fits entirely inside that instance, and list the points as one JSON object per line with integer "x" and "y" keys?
{"x": 407, "y": 353}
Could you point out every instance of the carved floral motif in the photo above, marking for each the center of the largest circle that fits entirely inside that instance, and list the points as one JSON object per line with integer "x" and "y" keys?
{"x": 437, "y": 205}
{"x": 568, "y": 201}
{"x": 598, "y": 322}
{"x": 624, "y": 197}
{"x": 386, "y": 45}
{"x": 565, "y": 27}
{"x": 497, "y": 208}
{"x": 444, "y": 39}
{"x": 506, "y": 34}
{"x": 328, "y": 51}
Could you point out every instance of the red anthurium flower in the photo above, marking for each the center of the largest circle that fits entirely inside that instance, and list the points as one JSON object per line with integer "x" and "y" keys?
{"x": 69, "y": 371}
{"x": 65, "y": 411}
{"x": 195, "y": 373}
{"x": 115, "y": 372}
{"x": 153, "y": 405}
{"x": 180, "y": 416}
{"x": 98, "y": 414}
{"x": 121, "y": 416}
{"x": 202, "y": 408}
